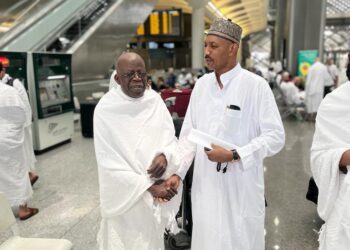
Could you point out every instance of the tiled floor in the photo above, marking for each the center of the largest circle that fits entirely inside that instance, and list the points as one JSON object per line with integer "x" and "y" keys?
{"x": 67, "y": 194}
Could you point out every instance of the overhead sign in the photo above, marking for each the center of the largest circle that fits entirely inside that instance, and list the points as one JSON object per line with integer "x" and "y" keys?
{"x": 162, "y": 23}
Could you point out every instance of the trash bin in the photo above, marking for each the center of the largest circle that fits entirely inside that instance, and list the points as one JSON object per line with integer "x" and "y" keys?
{"x": 87, "y": 109}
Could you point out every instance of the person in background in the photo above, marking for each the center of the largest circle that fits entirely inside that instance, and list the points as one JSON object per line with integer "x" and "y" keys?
{"x": 151, "y": 83}
{"x": 14, "y": 180}
{"x": 334, "y": 73}
{"x": 290, "y": 91}
{"x": 271, "y": 77}
{"x": 317, "y": 78}
{"x": 181, "y": 78}
{"x": 171, "y": 79}
{"x": 28, "y": 138}
{"x": 330, "y": 165}
{"x": 299, "y": 82}
{"x": 160, "y": 83}
{"x": 136, "y": 151}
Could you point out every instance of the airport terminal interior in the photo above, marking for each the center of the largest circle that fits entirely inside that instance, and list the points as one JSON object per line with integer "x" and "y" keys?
{"x": 63, "y": 52}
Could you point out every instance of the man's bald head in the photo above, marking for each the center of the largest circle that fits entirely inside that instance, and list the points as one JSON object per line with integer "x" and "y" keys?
{"x": 126, "y": 57}
{"x": 131, "y": 74}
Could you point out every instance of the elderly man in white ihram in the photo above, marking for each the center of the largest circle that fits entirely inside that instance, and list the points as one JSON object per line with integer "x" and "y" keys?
{"x": 136, "y": 151}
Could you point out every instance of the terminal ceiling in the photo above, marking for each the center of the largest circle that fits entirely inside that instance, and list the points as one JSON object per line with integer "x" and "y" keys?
{"x": 251, "y": 15}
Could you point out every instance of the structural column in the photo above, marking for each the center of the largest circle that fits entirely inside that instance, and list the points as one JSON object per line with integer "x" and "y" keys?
{"x": 279, "y": 33}
{"x": 305, "y": 29}
{"x": 198, "y": 12}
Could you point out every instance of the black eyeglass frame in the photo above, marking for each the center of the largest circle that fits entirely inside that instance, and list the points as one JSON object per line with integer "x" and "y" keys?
{"x": 131, "y": 74}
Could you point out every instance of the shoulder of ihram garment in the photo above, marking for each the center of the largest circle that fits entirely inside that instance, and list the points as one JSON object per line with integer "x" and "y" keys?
{"x": 332, "y": 121}
{"x": 336, "y": 101}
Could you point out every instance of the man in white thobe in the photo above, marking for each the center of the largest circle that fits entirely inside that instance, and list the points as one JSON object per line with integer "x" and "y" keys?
{"x": 317, "y": 78}
{"x": 330, "y": 163}
{"x": 28, "y": 139}
{"x": 238, "y": 107}
{"x": 14, "y": 180}
{"x": 136, "y": 149}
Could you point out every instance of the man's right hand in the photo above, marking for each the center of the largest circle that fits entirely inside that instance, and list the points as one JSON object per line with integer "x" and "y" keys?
{"x": 160, "y": 190}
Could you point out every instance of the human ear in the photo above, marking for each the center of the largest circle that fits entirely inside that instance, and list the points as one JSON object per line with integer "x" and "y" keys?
{"x": 116, "y": 78}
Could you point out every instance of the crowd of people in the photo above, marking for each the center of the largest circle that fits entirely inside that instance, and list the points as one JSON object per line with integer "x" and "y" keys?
{"x": 305, "y": 92}
{"x": 186, "y": 78}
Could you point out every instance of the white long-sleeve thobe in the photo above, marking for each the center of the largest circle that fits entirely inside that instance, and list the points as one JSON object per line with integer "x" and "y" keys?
{"x": 229, "y": 209}
{"x": 128, "y": 134}
{"x": 331, "y": 140}
{"x": 14, "y": 179}
{"x": 316, "y": 79}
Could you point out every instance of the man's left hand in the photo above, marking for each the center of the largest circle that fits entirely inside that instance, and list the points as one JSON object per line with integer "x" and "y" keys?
{"x": 219, "y": 154}
{"x": 158, "y": 166}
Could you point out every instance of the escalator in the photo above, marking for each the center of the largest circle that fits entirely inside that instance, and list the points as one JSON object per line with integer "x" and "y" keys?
{"x": 17, "y": 16}
{"x": 37, "y": 23}
{"x": 93, "y": 31}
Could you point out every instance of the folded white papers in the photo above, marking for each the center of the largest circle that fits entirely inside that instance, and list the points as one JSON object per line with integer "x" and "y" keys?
{"x": 205, "y": 140}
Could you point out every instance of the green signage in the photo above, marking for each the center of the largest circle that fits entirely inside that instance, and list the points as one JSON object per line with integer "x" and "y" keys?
{"x": 305, "y": 59}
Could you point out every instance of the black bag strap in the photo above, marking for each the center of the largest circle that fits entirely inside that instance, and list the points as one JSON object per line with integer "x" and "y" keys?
{"x": 10, "y": 82}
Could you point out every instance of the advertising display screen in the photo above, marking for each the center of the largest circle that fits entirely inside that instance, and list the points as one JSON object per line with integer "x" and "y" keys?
{"x": 53, "y": 83}
{"x": 54, "y": 90}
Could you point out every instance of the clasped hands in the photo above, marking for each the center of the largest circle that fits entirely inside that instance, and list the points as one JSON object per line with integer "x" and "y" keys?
{"x": 162, "y": 190}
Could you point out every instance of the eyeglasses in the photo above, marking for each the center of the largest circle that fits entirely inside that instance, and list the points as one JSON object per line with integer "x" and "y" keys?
{"x": 133, "y": 74}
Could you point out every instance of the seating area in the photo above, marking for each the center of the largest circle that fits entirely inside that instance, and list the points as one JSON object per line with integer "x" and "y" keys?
{"x": 286, "y": 109}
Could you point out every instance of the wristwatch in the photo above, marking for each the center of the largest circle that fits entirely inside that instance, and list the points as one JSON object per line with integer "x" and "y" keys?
{"x": 235, "y": 155}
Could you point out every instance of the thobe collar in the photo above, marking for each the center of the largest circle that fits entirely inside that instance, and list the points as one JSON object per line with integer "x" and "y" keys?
{"x": 228, "y": 76}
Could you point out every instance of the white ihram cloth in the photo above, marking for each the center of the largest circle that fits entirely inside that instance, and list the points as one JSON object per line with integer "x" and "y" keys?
{"x": 317, "y": 78}
{"x": 112, "y": 81}
{"x": 128, "y": 134}
{"x": 229, "y": 209}
{"x": 331, "y": 140}
{"x": 28, "y": 139}
{"x": 14, "y": 179}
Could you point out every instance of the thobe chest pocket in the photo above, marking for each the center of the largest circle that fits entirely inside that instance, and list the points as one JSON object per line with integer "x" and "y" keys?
{"x": 232, "y": 120}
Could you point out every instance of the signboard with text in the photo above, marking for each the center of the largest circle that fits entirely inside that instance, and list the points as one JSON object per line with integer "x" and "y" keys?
{"x": 162, "y": 23}
{"x": 305, "y": 59}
